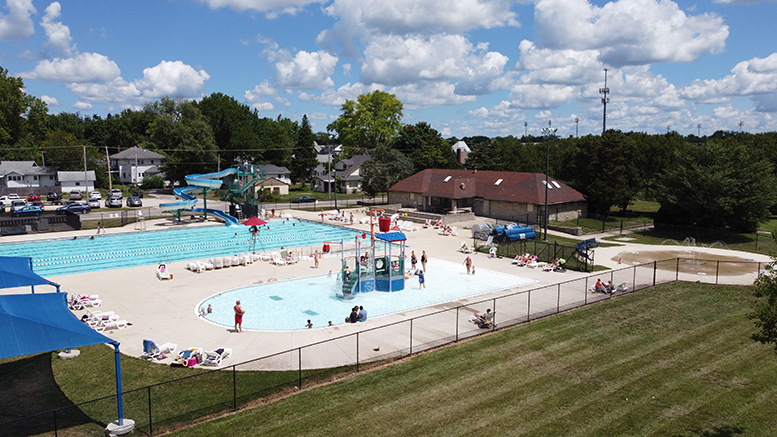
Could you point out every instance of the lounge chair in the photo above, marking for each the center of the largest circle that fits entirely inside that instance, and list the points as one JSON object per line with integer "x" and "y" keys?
{"x": 189, "y": 357}
{"x": 162, "y": 272}
{"x": 265, "y": 256}
{"x": 79, "y": 302}
{"x": 485, "y": 322}
{"x": 289, "y": 259}
{"x": 249, "y": 258}
{"x": 277, "y": 260}
{"x": 214, "y": 357}
{"x": 218, "y": 263}
{"x": 111, "y": 325}
{"x": 153, "y": 352}
{"x": 464, "y": 248}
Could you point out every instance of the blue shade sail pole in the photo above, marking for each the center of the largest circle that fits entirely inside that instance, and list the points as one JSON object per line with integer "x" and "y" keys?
{"x": 118, "y": 384}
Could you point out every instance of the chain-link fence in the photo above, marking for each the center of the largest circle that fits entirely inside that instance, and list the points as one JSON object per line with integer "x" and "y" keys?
{"x": 172, "y": 404}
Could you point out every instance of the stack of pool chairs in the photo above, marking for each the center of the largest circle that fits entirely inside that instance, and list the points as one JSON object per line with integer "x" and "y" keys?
{"x": 513, "y": 232}
{"x": 219, "y": 262}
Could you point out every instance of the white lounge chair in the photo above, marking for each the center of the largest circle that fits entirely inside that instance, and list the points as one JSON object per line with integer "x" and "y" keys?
{"x": 464, "y": 248}
{"x": 264, "y": 256}
{"x": 277, "y": 260}
{"x": 218, "y": 263}
{"x": 214, "y": 357}
{"x": 111, "y": 325}
{"x": 185, "y": 355}
{"x": 152, "y": 351}
{"x": 162, "y": 272}
{"x": 249, "y": 258}
{"x": 235, "y": 261}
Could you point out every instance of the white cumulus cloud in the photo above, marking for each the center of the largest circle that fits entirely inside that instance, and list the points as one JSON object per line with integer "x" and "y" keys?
{"x": 84, "y": 67}
{"x": 59, "y": 39}
{"x": 172, "y": 79}
{"x": 82, "y": 105}
{"x": 307, "y": 70}
{"x": 630, "y": 32}
{"x": 50, "y": 101}
{"x": 17, "y": 24}
{"x": 259, "y": 92}
{"x": 755, "y": 77}
{"x": 270, "y": 6}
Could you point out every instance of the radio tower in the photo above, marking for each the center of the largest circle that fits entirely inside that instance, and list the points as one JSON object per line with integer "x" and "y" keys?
{"x": 605, "y": 100}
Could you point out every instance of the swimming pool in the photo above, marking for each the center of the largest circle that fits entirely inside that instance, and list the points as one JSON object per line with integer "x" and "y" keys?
{"x": 105, "y": 252}
{"x": 287, "y": 305}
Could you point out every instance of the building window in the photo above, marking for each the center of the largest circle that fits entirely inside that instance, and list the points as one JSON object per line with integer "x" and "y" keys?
{"x": 35, "y": 178}
{"x": 51, "y": 178}
{"x": 78, "y": 183}
{"x": 124, "y": 175}
{"x": 141, "y": 162}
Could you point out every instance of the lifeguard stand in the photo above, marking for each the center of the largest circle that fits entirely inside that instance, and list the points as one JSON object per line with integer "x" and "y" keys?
{"x": 140, "y": 222}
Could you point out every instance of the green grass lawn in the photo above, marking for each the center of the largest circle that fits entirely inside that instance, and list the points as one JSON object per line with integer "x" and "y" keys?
{"x": 674, "y": 360}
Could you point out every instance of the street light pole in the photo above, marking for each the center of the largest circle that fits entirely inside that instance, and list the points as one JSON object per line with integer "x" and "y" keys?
{"x": 334, "y": 173}
{"x": 548, "y": 132}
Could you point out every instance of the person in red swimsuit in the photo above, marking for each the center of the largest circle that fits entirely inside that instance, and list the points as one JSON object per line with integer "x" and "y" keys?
{"x": 239, "y": 317}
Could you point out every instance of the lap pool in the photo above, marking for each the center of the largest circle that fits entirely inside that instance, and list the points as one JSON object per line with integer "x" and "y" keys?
{"x": 288, "y": 305}
{"x": 105, "y": 252}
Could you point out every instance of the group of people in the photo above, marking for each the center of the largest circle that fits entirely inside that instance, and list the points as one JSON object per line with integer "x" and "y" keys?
{"x": 203, "y": 311}
{"x": 358, "y": 314}
{"x": 436, "y": 225}
{"x": 603, "y": 287}
{"x": 524, "y": 259}
{"x": 446, "y": 230}
{"x": 485, "y": 320}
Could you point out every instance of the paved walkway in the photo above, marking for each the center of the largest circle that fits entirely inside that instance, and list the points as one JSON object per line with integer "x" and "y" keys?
{"x": 165, "y": 311}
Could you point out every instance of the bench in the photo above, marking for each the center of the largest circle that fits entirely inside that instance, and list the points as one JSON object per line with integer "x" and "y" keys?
{"x": 586, "y": 244}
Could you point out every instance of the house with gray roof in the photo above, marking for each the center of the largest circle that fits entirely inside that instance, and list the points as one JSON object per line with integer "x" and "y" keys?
{"x": 498, "y": 194}
{"x": 348, "y": 173}
{"x": 76, "y": 180}
{"x": 135, "y": 163}
{"x": 22, "y": 174}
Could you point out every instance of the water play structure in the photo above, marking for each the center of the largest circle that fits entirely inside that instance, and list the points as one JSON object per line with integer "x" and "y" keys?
{"x": 245, "y": 177}
{"x": 380, "y": 268}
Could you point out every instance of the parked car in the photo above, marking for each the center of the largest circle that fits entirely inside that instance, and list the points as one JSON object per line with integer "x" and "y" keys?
{"x": 137, "y": 193}
{"x": 13, "y": 196}
{"x": 74, "y": 208}
{"x": 27, "y": 211}
{"x": 134, "y": 201}
{"x": 93, "y": 203}
{"x": 95, "y": 195}
{"x": 116, "y": 193}
{"x": 304, "y": 199}
{"x": 76, "y": 195}
{"x": 54, "y": 197}
{"x": 5, "y": 201}
{"x": 33, "y": 197}
{"x": 39, "y": 204}
{"x": 18, "y": 204}
{"x": 113, "y": 202}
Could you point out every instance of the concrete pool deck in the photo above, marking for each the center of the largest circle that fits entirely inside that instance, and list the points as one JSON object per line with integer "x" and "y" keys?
{"x": 165, "y": 311}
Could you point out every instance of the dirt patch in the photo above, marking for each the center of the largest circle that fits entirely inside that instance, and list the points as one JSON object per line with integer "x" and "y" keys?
{"x": 691, "y": 261}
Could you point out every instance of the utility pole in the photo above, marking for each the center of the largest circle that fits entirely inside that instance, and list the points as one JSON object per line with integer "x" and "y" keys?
{"x": 43, "y": 152}
{"x": 108, "y": 160}
{"x": 136, "y": 165}
{"x": 548, "y": 132}
{"x": 86, "y": 178}
{"x": 698, "y": 126}
{"x": 525, "y": 129}
{"x": 577, "y": 123}
{"x": 740, "y": 131}
{"x": 605, "y": 100}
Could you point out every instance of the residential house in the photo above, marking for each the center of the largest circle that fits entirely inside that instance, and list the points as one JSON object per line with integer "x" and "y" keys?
{"x": 348, "y": 174}
{"x": 26, "y": 174}
{"x": 76, "y": 180}
{"x": 135, "y": 163}
{"x": 274, "y": 185}
{"x": 282, "y": 174}
{"x": 497, "y": 194}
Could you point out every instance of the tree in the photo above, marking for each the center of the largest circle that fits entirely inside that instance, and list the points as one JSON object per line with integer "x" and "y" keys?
{"x": 305, "y": 155}
{"x": 717, "y": 184}
{"x": 275, "y": 141}
{"x": 233, "y": 126}
{"x": 373, "y": 120}
{"x": 603, "y": 168}
{"x": 181, "y": 133}
{"x": 425, "y": 147}
{"x": 765, "y": 305}
{"x": 22, "y": 119}
{"x": 385, "y": 168}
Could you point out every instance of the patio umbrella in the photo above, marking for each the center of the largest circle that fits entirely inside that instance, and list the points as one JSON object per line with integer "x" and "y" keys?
{"x": 254, "y": 221}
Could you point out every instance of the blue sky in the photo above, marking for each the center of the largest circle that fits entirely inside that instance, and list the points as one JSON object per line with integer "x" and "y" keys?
{"x": 467, "y": 67}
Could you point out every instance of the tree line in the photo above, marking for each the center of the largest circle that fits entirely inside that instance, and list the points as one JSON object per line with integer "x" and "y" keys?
{"x": 724, "y": 181}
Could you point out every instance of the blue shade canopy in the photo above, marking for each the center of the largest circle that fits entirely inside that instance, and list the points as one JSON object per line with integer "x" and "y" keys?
{"x": 391, "y": 236}
{"x": 17, "y": 272}
{"x": 36, "y": 323}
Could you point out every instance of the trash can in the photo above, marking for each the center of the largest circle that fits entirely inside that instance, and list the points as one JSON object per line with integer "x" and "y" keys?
{"x": 384, "y": 224}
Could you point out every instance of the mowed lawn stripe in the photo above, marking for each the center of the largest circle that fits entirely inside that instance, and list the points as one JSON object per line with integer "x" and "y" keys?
{"x": 680, "y": 353}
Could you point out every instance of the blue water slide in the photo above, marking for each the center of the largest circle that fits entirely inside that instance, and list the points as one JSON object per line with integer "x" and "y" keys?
{"x": 198, "y": 181}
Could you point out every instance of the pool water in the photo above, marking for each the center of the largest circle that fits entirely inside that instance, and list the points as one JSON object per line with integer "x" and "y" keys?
{"x": 105, "y": 252}
{"x": 288, "y": 305}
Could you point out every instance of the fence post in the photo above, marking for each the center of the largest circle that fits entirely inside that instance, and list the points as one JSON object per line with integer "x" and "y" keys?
{"x": 493, "y": 324}
{"x": 528, "y": 307}
{"x": 150, "y": 426}
{"x": 756, "y": 241}
{"x": 621, "y": 227}
{"x": 558, "y": 298}
{"x": 234, "y": 387}
{"x": 603, "y": 222}
{"x": 677, "y": 270}
{"x": 55, "y": 422}
{"x": 655, "y": 267}
{"x": 299, "y": 374}
{"x": 634, "y": 278}
{"x": 411, "y": 337}
{"x": 585, "y": 291}
{"x": 717, "y": 270}
{"x": 457, "y": 323}
{"x": 357, "y": 351}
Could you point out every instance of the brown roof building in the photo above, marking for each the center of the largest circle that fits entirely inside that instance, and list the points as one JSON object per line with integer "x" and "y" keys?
{"x": 497, "y": 194}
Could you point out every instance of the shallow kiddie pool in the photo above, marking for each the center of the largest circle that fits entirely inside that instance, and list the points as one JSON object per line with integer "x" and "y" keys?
{"x": 288, "y": 305}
